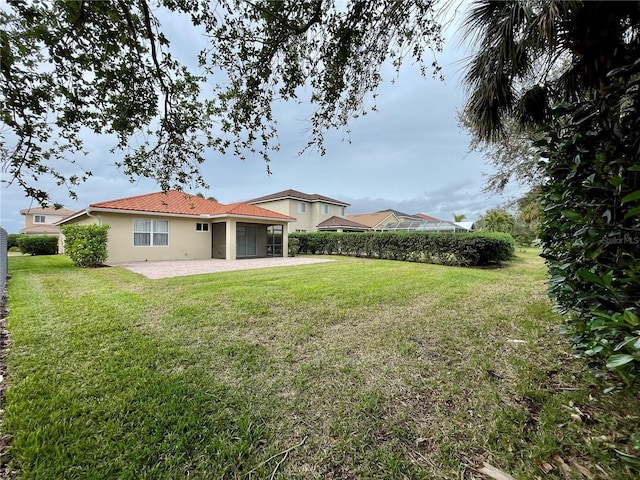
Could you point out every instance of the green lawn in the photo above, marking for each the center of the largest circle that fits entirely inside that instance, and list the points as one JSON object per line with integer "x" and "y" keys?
{"x": 349, "y": 369}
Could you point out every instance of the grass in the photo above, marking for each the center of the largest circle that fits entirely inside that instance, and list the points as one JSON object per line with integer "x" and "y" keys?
{"x": 348, "y": 369}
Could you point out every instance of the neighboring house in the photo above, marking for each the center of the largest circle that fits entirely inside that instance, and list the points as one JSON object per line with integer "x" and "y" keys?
{"x": 40, "y": 221}
{"x": 375, "y": 221}
{"x": 427, "y": 218}
{"x": 403, "y": 217}
{"x": 174, "y": 225}
{"x": 339, "y": 224}
{"x": 310, "y": 210}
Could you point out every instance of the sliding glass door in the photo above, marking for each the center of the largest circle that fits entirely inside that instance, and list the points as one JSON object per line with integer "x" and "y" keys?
{"x": 246, "y": 245}
{"x": 274, "y": 241}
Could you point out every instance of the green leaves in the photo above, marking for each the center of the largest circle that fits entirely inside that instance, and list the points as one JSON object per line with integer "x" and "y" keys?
{"x": 106, "y": 67}
{"x": 632, "y": 197}
{"x": 618, "y": 360}
{"x": 590, "y": 232}
{"x": 86, "y": 245}
{"x": 461, "y": 249}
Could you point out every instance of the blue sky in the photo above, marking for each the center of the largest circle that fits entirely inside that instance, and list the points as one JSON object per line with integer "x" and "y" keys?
{"x": 410, "y": 155}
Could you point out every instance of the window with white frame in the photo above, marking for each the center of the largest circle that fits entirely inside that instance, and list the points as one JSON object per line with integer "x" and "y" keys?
{"x": 150, "y": 233}
{"x": 324, "y": 208}
{"x": 342, "y": 211}
{"x": 301, "y": 207}
{"x": 38, "y": 219}
{"x": 202, "y": 227}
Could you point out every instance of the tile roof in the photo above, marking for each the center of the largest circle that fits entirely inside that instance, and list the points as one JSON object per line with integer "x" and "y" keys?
{"x": 41, "y": 229}
{"x": 396, "y": 213}
{"x": 174, "y": 202}
{"x": 373, "y": 219}
{"x": 296, "y": 195}
{"x": 61, "y": 212}
{"x": 428, "y": 218}
{"x": 340, "y": 222}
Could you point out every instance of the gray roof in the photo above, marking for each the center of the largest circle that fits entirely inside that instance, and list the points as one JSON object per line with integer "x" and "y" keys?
{"x": 296, "y": 195}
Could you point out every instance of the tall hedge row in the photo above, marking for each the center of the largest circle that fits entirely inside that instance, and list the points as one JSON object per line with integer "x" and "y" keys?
{"x": 591, "y": 224}
{"x": 38, "y": 244}
{"x": 462, "y": 249}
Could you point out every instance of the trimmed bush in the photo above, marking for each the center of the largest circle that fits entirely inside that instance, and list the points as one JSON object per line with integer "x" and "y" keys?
{"x": 38, "y": 244}
{"x": 461, "y": 249}
{"x": 86, "y": 245}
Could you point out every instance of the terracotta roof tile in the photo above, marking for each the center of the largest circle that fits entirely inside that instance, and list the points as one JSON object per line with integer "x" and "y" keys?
{"x": 174, "y": 202}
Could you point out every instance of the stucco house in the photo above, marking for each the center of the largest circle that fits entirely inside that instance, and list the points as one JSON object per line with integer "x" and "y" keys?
{"x": 40, "y": 221}
{"x": 376, "y": 220}
{"x": 310, "y": 210}
{"x": 175, "y": 225}
{"x": 340, "y": 224}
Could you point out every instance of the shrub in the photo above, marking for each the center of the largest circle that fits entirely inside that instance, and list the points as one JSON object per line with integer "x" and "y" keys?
{"x": 293, "y": 246}
{"x": 86, "y": 245}
{"x": 591, "y": 222}
{"x": 469, "y": 249}
{"x": 12, "y": 240}
{"x": 38, "y": 244}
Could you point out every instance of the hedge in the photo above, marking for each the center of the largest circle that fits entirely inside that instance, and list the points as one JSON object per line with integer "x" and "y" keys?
{"x": 38, "y": 244}
{"x": 12, "y": 240}
{"x": 591, "y": 221}
{"x": 460, "y": 249}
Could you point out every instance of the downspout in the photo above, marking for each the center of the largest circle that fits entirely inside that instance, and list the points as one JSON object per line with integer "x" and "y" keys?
{"x": 97, "y": 217}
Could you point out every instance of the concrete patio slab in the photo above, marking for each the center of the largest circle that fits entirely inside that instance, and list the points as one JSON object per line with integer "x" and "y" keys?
{"x": 181, "y": 268}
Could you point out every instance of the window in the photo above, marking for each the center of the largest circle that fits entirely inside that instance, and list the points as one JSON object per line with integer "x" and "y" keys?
{"x": 38, "y": 219}
{"x": 301, "y": 207}
{"x": 342, "y": 211}
{"x": 202, "y": 227}
{"x": 324, "y": 208}
{"x": 150, "y": 233}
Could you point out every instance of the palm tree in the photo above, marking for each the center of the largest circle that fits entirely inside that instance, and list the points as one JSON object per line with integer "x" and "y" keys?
{"x": 458, "y": 218}
{"x": 497, "y": 221}
{"x": 535, "y": 53}
{"x": 201, "y": 195}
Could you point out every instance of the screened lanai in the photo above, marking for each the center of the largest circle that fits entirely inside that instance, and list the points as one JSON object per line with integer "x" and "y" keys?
{"x": 424, "y": 226}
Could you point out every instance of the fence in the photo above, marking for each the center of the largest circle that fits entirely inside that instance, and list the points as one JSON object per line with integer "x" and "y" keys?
{"x": 4, "y": 258}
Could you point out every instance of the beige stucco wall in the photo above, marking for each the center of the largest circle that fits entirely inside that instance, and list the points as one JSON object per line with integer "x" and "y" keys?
{"x": 184, "y": 241}
{"x": 48, "y": 219}
{"x": 308, "y": 220}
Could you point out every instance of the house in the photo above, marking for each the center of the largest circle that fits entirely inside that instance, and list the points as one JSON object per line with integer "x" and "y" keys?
{"x": 40, "y": 221}
{"x": 174, "y": 225}
{"x": 310, "y": 210}
{"x": 340, "y": 224}
{"x": 375, "y": 221}
{"x": 427, "y": 218}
